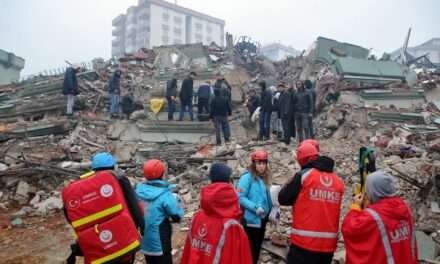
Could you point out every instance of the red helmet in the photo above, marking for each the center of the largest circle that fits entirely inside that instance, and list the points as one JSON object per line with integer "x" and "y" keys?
{"x": 259, "y": 155}
{"x": 312, "y": 142}
{"x": 305, "y": 153}
{"x": 153, "y": 169}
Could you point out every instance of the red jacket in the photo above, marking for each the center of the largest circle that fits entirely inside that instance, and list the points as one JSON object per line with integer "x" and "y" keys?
{"x": 362, "y": 234}
{"x": 316, "y": 211}
{"x": 218, "y": 219}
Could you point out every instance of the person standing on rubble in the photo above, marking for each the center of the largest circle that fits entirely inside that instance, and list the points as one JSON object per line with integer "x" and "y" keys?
{"x": 215, "y": 234}
{"x": 225, "y": 89}
{"x": 309, "y": 88}
{"x": 275, "y": 118}
{"x": 70, "y": 87}
{"x": 171, "y": 95}
{"x": 265, "y": 112}
{"x": 203, "y": 98}
{"x": 253, "y": 102}
{"x": 114, "y": 89}
{"x": 160, "y": 206}
{"x": 384, "y": 232}
{"x": 315, "y": 194}
{"x": 253, "y": 191}
{"x": 286, "y": 109}
{"x": 220, "y": 110}
{"x": 186, "y": 96}
{"x": 303, "y": 111}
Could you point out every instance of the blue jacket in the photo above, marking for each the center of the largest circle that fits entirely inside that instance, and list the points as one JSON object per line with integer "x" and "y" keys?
{"x": 159, "y": 205}
{"x": 204, "y": 91}
{"x": 253, "y": 193}
{"x": 114, "y": 85}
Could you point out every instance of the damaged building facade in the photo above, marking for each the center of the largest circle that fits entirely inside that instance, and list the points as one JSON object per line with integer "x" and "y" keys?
{"x": 157, "y": 22}
{"x": 10, "y": 67}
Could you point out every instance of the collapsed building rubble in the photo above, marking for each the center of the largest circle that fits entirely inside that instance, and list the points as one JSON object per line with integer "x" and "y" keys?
{"x": 42, "y": 151}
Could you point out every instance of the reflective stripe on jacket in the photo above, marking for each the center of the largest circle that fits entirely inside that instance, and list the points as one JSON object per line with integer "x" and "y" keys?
{"x": 316, "y": 211}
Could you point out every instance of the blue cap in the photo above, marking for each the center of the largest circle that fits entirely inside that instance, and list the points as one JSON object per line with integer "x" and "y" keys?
{"x": 220, "y": 173}
{"x": 103, "y": 160}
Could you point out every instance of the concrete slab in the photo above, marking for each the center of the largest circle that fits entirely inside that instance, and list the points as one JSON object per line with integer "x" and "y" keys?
{"x": 426, "y": 246}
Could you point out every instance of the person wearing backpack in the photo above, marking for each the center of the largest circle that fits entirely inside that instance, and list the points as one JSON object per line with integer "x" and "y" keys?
{"x": 97, "y": 205}
{"x": 253, "y": 191}
{"x": 160, "y": 206}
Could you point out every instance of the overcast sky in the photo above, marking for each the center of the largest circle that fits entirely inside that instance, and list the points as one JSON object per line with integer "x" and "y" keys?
{"x": 46, "y": 32}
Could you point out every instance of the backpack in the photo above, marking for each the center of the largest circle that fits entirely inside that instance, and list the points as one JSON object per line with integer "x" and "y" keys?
{"x": 96, "y": 209}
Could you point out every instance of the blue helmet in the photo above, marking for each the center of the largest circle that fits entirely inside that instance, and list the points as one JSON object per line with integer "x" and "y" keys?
{"x": 103, "y": 160}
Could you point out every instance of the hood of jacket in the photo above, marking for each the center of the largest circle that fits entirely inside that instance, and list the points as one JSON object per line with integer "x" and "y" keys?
{"x": 392, "y": 207}
{"x": 150, "y": 190}
{"x": 220, "y": 199}
{"x": 322, "y": 163}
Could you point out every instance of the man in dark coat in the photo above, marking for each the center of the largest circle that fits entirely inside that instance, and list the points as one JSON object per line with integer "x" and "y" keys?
{"x": 114, "y": 89}
{"x": 265, "y": 112}
{"x": 309, "y": 88}
{"x": 171, "y": 95}
{"x": 303, "y": 111}
{"x": 253, "y": 102}
{"x": 186, "y": 96}
{"x": 286, "y": 108}
{"x": 70, "y": 87}
{"x": 224, "y": 87}
{"x": 220, "y": 110}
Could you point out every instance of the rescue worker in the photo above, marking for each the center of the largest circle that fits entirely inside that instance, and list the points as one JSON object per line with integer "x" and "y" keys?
{"x": 104, "y": 161}
{"x": 160, "y": 205}
{"x": 253, "y": 191}
{"x": 217, "y": 220}
{"x": 70, "y": 87}
{"x": 384, "y": 231}
{"x": 315, "y": 194}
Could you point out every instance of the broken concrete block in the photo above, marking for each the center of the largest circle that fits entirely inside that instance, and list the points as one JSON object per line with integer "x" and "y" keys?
{"x": 17, "y": 222}
{"x": 426, "y": 246}
{"x": 50, "y": 204}
{"x": 435, "y": 208}
{"x": 35, "y": 200}
{"x": 3, "y": 167}
{"x": 22, "y": 189}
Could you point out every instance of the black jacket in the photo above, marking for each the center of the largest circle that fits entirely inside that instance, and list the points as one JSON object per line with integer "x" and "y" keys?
{"x": 220, "y": 106}
{"x": 128, "y": 104}
{"x": 312, "y": 93}
{"x": 70, "y": 84}
{"x": 286, "y": 104}
{"x": 253, "y": 104}
{"x": 186, "y": 92}
{"x": 303, "y": 102}
{"x": 224, "y": 88}
{"x": 114, "y": 84}
{"x": 171, "y": 88}
{"x": 266, "y": 101}
{"x": 290, "y": 191}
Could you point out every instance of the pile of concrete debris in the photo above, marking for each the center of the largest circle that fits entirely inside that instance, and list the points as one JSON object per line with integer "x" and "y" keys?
{"x": 361, "y": 102}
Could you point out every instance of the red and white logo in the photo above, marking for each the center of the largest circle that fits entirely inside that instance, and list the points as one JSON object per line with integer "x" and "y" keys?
{"x": 203, "y": 231}
{"x": 105, "y": 236}
{"x": 74, "y": 203}
{"x": 326, "y": 180}
{"x": 106, "y": 190}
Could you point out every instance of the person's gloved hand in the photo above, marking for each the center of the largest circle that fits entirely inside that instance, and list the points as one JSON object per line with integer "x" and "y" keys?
{"x": 260, "y": 212}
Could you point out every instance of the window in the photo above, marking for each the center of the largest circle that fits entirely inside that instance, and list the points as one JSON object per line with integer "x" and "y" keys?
{"x": 165, "y": 27}
{"x": 198, "y": 36}
{"x": 208, "y": 39}
{"x": 165, "y": 39}
{"x": 165, "y": 16}
{"x": 177, "y": 31}
{"x": 178, "y": 20}
{"x": 198, "y": 26}
{"x": 177, "y": 41}
{"x": 209, "y": 29}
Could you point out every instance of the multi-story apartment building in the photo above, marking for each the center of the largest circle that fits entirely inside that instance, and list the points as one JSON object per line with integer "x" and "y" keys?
{"x": 156, "y": 22}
